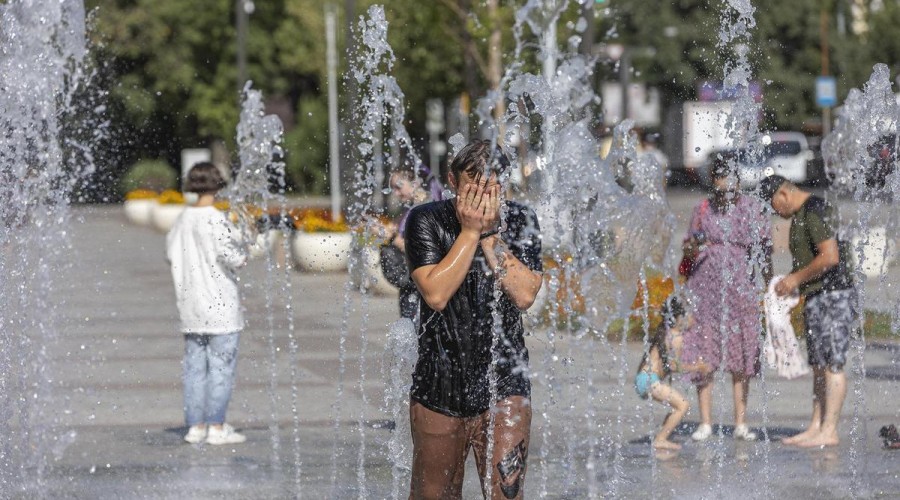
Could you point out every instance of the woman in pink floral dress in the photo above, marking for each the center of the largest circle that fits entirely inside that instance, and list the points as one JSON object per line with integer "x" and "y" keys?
{"x": 731, "y": 235}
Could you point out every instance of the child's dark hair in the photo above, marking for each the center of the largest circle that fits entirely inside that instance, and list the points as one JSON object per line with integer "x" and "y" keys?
{"x": 672, "y": 309}
{"x": 204, "y": 178}
{"x": 476, "y": 157}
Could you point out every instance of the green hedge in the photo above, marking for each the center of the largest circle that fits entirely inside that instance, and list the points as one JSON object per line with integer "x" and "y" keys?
{"x": 155, "y": 175}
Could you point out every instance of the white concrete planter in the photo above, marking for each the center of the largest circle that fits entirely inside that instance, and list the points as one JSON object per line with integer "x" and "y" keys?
{"x": 139, "y": 211}
{"x": 370, "y": 258}
{"x": 163, "y": 216}
{"x": 877, "y": 252}
{"x": 326, "y": 252}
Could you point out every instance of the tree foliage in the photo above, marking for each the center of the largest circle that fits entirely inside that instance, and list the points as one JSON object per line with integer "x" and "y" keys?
{"x": 171, "y": 70}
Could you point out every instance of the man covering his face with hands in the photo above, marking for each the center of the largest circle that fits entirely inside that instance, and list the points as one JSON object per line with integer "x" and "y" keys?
{"x": 457, "y": 250}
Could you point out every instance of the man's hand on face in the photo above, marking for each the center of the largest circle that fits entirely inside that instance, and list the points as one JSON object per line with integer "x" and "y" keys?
{"x": 491, "y": 217}
{"x": 478, "y": 206}
{"x": 470, "y": 204}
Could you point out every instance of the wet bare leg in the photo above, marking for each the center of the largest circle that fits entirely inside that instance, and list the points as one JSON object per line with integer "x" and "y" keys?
{"x": 439, "y": 454}
{"x": 704, "y": 400}
{"x": 815, "y": 423}
{"x": 680, "y": 406}
{"x": 512, "y": 430}
{"x": 835, "y": 392}
{"x": 741, "y": 391}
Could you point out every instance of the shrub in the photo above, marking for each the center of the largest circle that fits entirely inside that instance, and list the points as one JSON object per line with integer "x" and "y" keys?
{"x": 152, "y": 175}
{"x": 307, "y": 148}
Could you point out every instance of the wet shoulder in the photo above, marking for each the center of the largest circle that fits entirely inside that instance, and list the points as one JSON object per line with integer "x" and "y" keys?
{"x": 435, "y": 212}
{"x": 432, "y": 209}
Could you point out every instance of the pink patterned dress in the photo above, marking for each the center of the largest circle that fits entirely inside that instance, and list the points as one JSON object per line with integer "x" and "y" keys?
{"x": 725, "y": 298}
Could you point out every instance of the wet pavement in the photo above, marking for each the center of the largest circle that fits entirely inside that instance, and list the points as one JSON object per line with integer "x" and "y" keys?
{"x": 314, "y": 416}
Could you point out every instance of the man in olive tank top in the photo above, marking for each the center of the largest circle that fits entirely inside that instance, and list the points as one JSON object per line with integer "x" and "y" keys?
{"x": 821, "y": 274}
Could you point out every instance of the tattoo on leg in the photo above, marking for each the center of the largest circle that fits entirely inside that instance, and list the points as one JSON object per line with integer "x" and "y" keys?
{"x": 512, "y": 470}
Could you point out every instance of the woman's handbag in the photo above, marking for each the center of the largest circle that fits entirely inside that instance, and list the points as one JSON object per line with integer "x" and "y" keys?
{"x": 686, "y": 266}
{"x": 394, "y": 266}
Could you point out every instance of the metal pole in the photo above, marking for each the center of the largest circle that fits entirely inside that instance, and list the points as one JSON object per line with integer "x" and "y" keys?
{"x": 549, "y": 75}
{"x": 334, "y": 154}
{"x": 348, "y": 140}
{"x": 823, "y": 39}
{"x": 242, "y": 22}
{"x": 378, "y": 163}
{"x": 587, "y": 38}
{"x": 625, "y": 80}
{"x": 550, "y": 52}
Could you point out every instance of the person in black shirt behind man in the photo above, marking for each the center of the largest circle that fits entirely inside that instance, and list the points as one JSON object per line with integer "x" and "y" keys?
{"x": 456, "y": 249}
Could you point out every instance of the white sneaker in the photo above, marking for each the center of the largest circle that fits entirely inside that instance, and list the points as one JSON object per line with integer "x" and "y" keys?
{"x": 703, "y": 432}
{"x": 743, "y": 432}
{"x": 196, "y": 434}
{"x": 224, "y": 435}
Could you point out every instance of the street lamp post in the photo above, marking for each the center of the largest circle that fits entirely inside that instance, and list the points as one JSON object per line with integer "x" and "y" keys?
{"x": 243, "y": 8}
{"x": 333, "y": 146}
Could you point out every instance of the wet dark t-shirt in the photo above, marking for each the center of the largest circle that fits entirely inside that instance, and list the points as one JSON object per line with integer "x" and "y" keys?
{"x": 451, "y": 375}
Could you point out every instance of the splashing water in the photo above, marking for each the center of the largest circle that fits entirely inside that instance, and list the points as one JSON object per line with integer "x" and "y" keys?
{"x": 380, "y": 105}
{"x": 43, "y": 158}
{"x": 251, "y": 197}
{"x": 400, "y": 356}
{"x": 858, "y": 154}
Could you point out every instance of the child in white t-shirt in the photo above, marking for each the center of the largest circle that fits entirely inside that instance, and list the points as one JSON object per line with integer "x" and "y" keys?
{"x": 205, "y": 249}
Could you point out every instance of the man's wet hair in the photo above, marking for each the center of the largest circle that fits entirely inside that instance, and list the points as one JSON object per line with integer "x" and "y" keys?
{"x": 769, "y": 186}
{"x": 204, "y": 178}
{"x": 477, "y": 158}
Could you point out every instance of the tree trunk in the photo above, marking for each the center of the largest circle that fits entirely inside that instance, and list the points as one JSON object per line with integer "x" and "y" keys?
{"x": 495, "y": 62}
{"x": 470, "y": 49}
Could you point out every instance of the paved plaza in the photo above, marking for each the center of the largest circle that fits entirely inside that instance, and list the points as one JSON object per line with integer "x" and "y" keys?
{"x": 310, "y": 397}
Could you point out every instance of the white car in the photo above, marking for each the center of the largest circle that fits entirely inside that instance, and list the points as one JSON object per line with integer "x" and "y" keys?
{"x": 788, "y": 155}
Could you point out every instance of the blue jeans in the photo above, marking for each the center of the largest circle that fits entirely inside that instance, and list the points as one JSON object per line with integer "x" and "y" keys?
{"x": 209, "y": 362}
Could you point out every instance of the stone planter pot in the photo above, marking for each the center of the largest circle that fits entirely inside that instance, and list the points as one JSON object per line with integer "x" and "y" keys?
{"x": 139, "y": 212}
{"x": 877, "y": 252}
{"x": 324, "y": 252}
{"x": 163, "y": 216}
{"x": 370, "y": 258}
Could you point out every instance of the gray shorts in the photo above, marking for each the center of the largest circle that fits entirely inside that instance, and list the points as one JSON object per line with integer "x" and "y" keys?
{"x": 831, "y": 319}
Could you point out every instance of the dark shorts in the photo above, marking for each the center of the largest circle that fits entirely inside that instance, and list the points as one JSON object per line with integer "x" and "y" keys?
{"x": 831, "y": 319}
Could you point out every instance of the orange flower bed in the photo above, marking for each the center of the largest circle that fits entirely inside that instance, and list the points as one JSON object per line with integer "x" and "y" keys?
{"x": 568, "y": 300}
{"x": 659, "y": 288}
{"x": 170, "y": 197}
{"x": 141, "y": 194}
{"x": 313, "y": 220}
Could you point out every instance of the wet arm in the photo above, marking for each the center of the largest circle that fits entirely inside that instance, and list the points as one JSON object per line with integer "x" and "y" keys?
{"x": 520, "y": 283}
{"x": 438, "y": 282}
{"x": 828, "y": 257}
